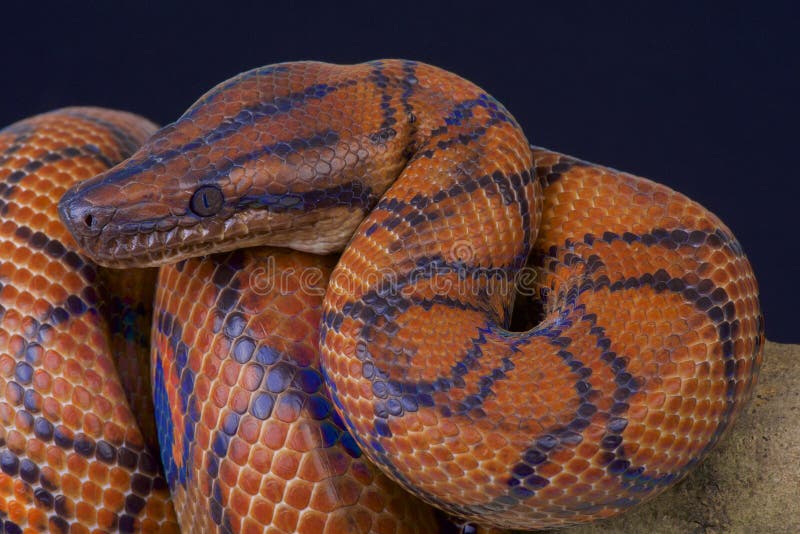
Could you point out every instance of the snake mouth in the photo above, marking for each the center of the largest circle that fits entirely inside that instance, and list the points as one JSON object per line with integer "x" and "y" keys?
{"x": 144, "y": 244}
{"x": 151, "y": 249}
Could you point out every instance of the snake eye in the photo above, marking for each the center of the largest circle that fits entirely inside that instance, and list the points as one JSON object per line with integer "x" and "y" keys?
{"x": 206, "y": 201}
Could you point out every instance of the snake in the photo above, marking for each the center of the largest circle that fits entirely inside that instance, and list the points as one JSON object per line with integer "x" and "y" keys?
{"x": 518, "y": 338}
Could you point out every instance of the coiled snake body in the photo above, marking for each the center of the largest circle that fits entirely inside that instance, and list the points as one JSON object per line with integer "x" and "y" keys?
{"x": 638, "y": 334}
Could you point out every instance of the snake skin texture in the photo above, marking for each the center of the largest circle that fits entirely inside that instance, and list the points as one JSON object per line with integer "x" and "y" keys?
{"x": 256, "y": 445}
{"x": 642, "y": 332}
{"x": 72, "y": 458}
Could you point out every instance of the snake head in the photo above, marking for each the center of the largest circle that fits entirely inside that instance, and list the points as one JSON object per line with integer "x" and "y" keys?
{"x": 288, "y": 155}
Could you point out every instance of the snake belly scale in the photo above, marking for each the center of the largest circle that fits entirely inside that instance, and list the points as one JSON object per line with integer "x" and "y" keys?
{"x": 638, "y": 334}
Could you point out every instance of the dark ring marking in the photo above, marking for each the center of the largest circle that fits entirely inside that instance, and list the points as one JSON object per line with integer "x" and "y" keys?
{"x": 616, "y": 464}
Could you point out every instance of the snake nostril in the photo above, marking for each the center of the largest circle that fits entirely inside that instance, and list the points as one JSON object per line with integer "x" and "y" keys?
{"x": 83, "y": 218}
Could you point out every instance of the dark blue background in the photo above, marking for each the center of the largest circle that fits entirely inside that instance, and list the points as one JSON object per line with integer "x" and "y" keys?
{"x": 700, "y": 97}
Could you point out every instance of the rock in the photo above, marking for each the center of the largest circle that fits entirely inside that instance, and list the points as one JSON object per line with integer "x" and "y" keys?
{"x": 750, "y": 483}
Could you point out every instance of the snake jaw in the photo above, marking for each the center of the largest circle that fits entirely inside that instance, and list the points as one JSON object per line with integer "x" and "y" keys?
{"x": 172, "y": 239}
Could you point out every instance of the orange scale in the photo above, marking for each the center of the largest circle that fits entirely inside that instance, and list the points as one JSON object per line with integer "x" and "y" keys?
{"x": 564, "y": 480}
{"x": 77, "y": 464}
{"x": 354, "y": 368}
{"x": 298, "y": 494}
{"x": 305, "y": 436}
{"x": 7, "y": 227}
{"x": 220, "y": 394}
{"x": 561, "y": 456}
{"x": 358, "y": 521}
{"x": 577, "y": 466}
{"x": 718, "y": 389}
{"x": 409, "y": 462}
{"x": 239, "y": 503}
{"x": 238, "y": 451}
{"x": 376, "y": 500}
{"x": 7, "y": 412}
{"x": 102, "y": 407}
{"x": 326, "y": 496}
{"x": 196, "y": 319}
{"x": 23, "y": 492}
{"x": 220, "y": 348}
{"x": 85, "y": 513}
{"x": 680, "y": 445}
{"x": 10, "y": 269}
{"x": 673, "y": 404}
{"x": 36, "y": 450}
{"x": 202, "y": 439}
{"x": 671, "y": 423}
{"x": 467, "y": 462}
{"x": 453, "y": 470}
{"x": 495, "y": 468}
{"x": 72, "y": 416}
{"x": 285, "y": 464}
{"x": 665, "y": 442}
{"x": 11, "y": 319}
{"x": 210, "y": 416}
{"x": 98, "y": 473}
{"x": 650, "y": 436}
{"x": 119, "y": 479}
{"x": 17, "y": 512}
{"x": 114, "y": 433}
{"x": 721, "y": 277}
{"x": 228, "y": 472}
{"x": 642, "y": 456}
{"x": 704, "y": 388}
{"x": 478, "y": 478}
{"x": 289, "y": 307}
{"x": 637, "y": 411}
{"x": 252, "y": 526}
{"x": 593, "y": 474}
{"x": 680, "y": 353}
{"x": 8, "y": 364}
{"x": 549, "y": 470}
{"x": 15, "y": 441}
{"x": 443, "y": 454}
{"x": 687, "y": 407}
{"x": 317, "y": 465}
{"x": 239, "y": 400}
{"x": 429, "y": 461}
{"x": 92, "y": 424}
{"x": 286, "y": 409}
{"x": 6, "y": 488}
{"x": 37, "y": 521}
{"x": 575, "y": 492}
{"x": 586, "y": 449}
{"x": 107, "y": 519}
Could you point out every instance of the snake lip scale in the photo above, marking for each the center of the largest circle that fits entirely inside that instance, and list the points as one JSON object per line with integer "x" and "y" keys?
{"x": 635, "y": 350}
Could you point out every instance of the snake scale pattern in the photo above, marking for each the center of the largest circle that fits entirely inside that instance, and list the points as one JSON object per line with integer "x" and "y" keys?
{"x": 518, "y": 338}
{"x": 72, "y": 457}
